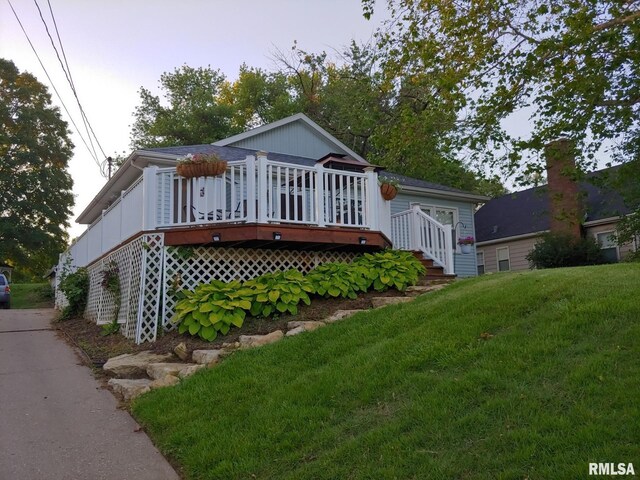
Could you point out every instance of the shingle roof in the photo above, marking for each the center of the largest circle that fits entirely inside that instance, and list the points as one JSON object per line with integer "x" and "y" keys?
{"x": 527, "y": 211}
{"x": 238, "y": 153}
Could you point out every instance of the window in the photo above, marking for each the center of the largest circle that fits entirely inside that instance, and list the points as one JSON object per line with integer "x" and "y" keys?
{"x": 480, "y": 262}
{"x": 502, "y": 254}
{"x": 608, "y": 246}
{"x": 446, "y": 216}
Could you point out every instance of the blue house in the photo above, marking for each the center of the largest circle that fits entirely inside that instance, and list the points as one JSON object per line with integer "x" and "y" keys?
{"x": 291, "y": 196}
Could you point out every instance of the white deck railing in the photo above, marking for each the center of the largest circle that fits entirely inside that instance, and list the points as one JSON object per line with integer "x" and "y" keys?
{"x": 254, "y": 190}
{"x": 415, "y": 230}
{"x": 264, "y": 191}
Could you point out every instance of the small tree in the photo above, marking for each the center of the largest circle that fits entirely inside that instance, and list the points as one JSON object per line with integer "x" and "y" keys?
{"x": 560, "y": 250}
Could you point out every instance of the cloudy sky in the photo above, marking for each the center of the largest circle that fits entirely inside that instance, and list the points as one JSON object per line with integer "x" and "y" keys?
{"x": 114, "y": 47}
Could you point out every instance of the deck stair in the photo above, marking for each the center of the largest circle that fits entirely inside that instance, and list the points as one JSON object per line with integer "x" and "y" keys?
{"x": 435, "y": 273}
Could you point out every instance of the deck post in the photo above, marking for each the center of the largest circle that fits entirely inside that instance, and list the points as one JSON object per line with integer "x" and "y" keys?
{"x": 150, "y": 197}
{"x": 414, "y": 225}
{"x": 320, "y": 196}
{"x": 448, "y": 242}
{"x": 251, "y": 188}
{"x": 375, "y": 204}
{"x": 262, "y": 187}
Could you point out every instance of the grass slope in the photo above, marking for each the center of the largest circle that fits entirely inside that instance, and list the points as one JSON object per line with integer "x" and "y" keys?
{"x": 415, "y": 391}
{"x": 31, "y": 295}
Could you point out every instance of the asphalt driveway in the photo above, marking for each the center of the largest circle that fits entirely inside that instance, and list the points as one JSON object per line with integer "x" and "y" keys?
{"x": 55, "y": 420}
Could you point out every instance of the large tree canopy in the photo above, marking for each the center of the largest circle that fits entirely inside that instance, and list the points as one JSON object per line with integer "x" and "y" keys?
{"x": 35, "y": 187}
{"x": 572, "y": 66}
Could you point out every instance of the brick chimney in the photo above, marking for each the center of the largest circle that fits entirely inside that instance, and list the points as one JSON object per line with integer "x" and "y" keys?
{"x": 564, "y": 193}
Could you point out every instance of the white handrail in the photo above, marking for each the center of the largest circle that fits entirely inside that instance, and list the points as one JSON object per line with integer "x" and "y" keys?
{"x": 415, "y": 230}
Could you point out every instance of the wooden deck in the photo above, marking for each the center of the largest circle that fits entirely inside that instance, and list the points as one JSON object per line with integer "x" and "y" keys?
{"x": 292, "y": 237}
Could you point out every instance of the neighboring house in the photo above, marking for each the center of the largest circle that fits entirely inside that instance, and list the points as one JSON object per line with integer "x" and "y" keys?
{"x": 509, "y": 226}
{"x": 309, "y": 200}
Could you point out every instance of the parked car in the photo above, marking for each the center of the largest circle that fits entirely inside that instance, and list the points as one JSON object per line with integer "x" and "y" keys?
{"x": 5, "y": 292}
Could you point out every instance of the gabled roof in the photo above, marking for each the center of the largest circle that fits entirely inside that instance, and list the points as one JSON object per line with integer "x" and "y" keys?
{"x": 527, "y": 211}
{"x": 298, "y": 117}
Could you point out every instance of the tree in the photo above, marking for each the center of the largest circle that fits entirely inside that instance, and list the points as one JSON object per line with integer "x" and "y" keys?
{"x": 36, "y": 187}
{"x": 194, "y": 113}
{"x": 572, "y": 66}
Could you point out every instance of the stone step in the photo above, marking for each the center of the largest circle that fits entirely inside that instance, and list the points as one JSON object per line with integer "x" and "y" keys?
{"x": 157, "y": 371}
{"x": 133, "y": 365}
{"x": 129, "y": 388}
{"x": 250, "y": 341}
{"x": 415, "y": 290}
{"x": 206, "y": 357}
{"x": 341, "y": 315}
{"x": 378, "y": 302}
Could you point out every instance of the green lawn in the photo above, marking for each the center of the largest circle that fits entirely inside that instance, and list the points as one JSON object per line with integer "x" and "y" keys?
{"x": 31, "y": 295}
{"x": 416, "y": 391}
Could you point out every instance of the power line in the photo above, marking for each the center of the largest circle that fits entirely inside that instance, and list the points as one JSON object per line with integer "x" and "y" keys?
{"x": 52, "y": 84}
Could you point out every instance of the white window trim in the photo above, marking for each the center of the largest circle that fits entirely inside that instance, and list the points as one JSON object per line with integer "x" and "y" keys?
{"x": 456, "y": 217}
{"x": 498, "y": 259}
{"x": 608, "y": 232}
{"x": 484, "y": 265}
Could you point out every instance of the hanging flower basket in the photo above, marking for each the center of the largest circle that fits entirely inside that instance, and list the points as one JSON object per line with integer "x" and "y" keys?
{"x": 201, "y": 165}
{"x": 466, "y": 243}
{"x": 388, "y": 191}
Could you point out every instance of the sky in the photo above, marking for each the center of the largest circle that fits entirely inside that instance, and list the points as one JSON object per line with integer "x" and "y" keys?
{"x": 113, "y": 47}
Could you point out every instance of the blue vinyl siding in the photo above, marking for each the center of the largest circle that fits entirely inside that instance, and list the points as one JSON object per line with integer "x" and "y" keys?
{"x": 293, "y": 139}
{"x": 465, "y": 265}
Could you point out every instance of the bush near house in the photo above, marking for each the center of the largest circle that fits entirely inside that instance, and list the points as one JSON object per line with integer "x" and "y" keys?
{"x": 559, "y": 250}
{"x": 520, "y": 375}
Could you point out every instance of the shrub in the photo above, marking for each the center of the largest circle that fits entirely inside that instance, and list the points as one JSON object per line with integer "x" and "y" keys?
{"x": 561, "y": 250}
{"x": 391, "y": 268}
{"x": 279, "y": 292}
{"x": 339, "y": 280}
{"x": 75, "y": 287}
{"x": 213, "y": 308}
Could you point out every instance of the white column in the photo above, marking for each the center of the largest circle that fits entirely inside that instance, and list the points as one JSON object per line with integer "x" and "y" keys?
{"x": 377, "y": 208}
{"x": 448, "y": 241}
{"x": 149, "y": 197}
{"x": 414, "y": 225}
{"x": 251, "y": 188}
{"x": 262, "y": 187}
{"x": 320, "y": 197}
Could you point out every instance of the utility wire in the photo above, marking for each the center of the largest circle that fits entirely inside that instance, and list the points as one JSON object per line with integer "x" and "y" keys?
{"x": 71, "y": 82}
{"x": 52, "y": 84}
{"x": 67, "y": 74}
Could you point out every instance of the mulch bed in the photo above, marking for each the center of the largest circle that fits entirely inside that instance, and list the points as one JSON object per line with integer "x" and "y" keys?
{"x": 99, "y": 348}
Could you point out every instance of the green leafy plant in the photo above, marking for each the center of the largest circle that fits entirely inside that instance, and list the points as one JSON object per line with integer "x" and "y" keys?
{"x": 560, "y": 250}
{"x": 110, "y": 328}
{"x": 279, "y": 292}
{"x": 213, "y": 308}
{"x": 391, "y": 269}
{"x": 75, "y": 286}
{"x": 339, "y": 280}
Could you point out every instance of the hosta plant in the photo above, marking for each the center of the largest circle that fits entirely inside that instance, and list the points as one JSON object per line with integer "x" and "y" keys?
{"x": 279, "y": 292}
{"x": 391, "y": 269}
{"x": 339, "y": 280}
{"x": 213, "y": 308}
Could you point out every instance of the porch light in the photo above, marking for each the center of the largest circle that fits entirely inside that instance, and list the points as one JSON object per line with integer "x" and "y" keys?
{"x": 362, "y": 240}
{"x": 216, "y": 237}
{"x": 277, "y": 236}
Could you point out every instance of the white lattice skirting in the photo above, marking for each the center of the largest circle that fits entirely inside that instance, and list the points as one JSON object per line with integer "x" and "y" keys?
{"x": 186, "y": 268}
{"x": 149, "y": 273}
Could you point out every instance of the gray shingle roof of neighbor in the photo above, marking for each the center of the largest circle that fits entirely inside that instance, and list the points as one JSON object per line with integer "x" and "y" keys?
{"x": 237, "y": 153}
{"x": 527, "y": 211}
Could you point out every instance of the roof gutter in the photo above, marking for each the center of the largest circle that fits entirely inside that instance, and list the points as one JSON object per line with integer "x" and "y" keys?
{"x": 445, "y": 193}
{"x": 524, "y": 236}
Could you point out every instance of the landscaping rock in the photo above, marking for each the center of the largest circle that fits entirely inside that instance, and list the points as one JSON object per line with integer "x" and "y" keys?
{"x": 190, "y": 370}
{"x": 133, "y": 365}
{"x": 206, "y": 357}
{"x": 166, "y": 381}
{"x": 161, "y": 370}
{"x": 181, "y": 351}
{"x": 341, "y": 315}
{"x": 308, "y": 325}
{"x": 250, "y": 341}
{"x": 295, "y": 331}
{"x": 128, "y": 388}
{"x": 378, "y": 302}
{"x": 416, "y": 290}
